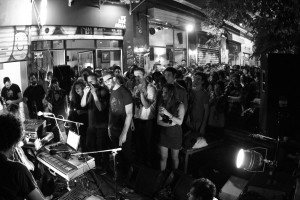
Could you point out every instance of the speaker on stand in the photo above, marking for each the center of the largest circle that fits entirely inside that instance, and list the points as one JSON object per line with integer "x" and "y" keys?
{"x": 278, "y": 84}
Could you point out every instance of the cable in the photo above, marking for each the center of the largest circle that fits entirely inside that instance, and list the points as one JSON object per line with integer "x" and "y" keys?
{"x": 95, "y": 178}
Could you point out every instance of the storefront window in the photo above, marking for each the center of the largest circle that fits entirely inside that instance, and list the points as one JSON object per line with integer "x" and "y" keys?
{"x": 45, "y": 60}
{"x": 179, "y": 55}
{"x": 160, "y": 55}
{"x": 234, "y": 50}
{"x": 108, "y": 58}
{"x": 85, "y": 59}
{"x": 168, "y": 44}
{"x": 58, "y": 44}
{"x": 161, "y": 37}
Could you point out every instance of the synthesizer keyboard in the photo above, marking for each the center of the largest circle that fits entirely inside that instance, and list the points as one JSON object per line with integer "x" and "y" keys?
{"x": 66, "y": 168}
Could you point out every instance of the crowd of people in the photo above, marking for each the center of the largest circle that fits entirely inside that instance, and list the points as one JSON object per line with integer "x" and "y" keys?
{"x": 149, "y": 114}
{"x": 143, "y": 112}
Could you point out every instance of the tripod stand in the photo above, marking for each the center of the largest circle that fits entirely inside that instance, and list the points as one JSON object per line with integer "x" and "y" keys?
{"x": 114, "y": 153}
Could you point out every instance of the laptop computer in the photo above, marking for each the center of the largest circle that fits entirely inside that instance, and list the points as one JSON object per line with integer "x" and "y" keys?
{"x": 71, "y": 145}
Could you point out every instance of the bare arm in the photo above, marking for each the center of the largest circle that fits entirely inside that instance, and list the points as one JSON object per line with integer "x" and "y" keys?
{"x": 84, "y": 97}
{"x": 147, "y": 102}
{"x": 178, "y": 120}
{"x": 96, "y": 99}
{"x": 160, "y": 122}
{"x": 20, "y": 98}
{"x": 128, "y": 109}
{"x": 66, "y": 104}
{"x": 175, "y": 120}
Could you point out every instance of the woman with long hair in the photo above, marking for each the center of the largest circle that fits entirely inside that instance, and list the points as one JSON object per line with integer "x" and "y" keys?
{"x": 169, "y": 118}
{"x": 78, "y": 113}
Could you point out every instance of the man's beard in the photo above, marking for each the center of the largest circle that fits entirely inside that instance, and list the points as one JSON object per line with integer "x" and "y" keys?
{"x": 95, "y": 85}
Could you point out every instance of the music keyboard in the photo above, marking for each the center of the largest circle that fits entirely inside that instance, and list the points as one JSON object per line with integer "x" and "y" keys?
{"x": 68, "y": 169}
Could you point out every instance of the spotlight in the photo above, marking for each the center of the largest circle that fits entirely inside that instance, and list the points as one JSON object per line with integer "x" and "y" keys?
{"x": 253, "y": 161}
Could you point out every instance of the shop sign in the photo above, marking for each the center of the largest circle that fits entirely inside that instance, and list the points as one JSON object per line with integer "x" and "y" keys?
{"x": 246, "y": 49}
{"x": 236, "y": 38}
{"x": 85, "y": 30}
{"x": 72, "y": 32}
{"x": 121, "y": 23}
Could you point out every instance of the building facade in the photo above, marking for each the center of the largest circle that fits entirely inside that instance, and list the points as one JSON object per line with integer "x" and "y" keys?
{"x": 41, "y": 34}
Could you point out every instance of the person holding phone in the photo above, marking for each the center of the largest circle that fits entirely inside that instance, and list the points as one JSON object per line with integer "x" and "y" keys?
{"x": 170, "y": 117}
{"x": 96, "y": 99}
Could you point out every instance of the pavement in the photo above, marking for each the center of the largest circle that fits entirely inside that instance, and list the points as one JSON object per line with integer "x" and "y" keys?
{"x": 99, "y": 185}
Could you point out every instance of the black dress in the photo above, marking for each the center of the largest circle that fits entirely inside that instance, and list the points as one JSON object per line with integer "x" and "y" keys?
{"x": 171, "y": 137}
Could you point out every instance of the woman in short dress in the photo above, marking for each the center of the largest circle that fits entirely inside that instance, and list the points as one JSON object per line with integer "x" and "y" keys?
{"x": 170, "y": 117}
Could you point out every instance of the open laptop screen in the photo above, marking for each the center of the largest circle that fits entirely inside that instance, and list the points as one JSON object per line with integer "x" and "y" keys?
{"x": 73, "y": 139}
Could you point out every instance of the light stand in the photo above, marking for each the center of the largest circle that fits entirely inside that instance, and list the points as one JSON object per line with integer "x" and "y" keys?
{"x": 250, "y": 160}
{"x": 114, "y": 153}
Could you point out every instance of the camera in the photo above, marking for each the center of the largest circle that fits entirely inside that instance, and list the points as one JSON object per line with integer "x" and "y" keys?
{"x": 166, "y": 119}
